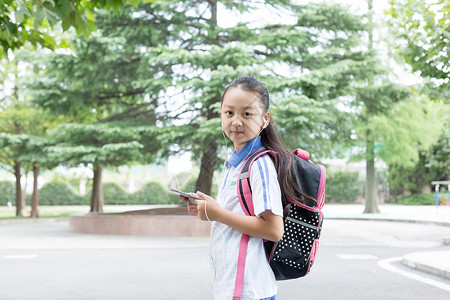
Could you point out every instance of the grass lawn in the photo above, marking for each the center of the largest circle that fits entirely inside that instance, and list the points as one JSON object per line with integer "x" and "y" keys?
{"x": 56, "y": 212}
{"x": 65, "y": 210}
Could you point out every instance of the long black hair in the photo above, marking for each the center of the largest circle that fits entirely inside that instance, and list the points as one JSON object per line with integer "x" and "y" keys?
{"x": 290, "y": 190}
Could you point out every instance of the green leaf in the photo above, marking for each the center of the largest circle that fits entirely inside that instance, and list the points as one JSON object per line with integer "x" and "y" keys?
{"x": 38, "y": 17}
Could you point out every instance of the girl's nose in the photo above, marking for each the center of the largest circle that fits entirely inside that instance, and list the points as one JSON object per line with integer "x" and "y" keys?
{"x": 236, "y": 122}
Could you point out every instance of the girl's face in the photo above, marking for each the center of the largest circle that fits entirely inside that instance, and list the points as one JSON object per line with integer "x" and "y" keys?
{"x": 242, "y": 116}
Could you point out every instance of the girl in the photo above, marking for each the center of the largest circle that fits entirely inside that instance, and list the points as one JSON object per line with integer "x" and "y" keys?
{"x": 246, "y": 121}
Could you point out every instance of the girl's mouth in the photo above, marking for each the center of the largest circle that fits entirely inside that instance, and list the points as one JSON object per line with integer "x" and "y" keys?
{"x": 236, "y": 132}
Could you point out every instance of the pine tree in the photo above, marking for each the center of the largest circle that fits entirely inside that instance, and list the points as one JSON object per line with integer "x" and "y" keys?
{"x": 307, "y": 64}
{"x": 106, "y": 87}
{"x": 101, "y": 145}
{"x": 22, "y": 131}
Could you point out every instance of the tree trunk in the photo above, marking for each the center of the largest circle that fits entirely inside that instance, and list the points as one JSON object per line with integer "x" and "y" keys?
{"x": 97, "y": 191}
{"x": 24, "y": 191}
{"x": 371, "y": 179}
{"x": 19, "y": 206}
{"x": 370, "y": 19}
{"x": 213, "y": 4}
{"x": 35, "y": 196}
{"x": 205, "y": 178}
{"x": 209, "y": 158}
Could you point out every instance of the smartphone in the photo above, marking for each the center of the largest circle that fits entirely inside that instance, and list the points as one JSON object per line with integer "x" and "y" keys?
{"x": 184, "y": 194}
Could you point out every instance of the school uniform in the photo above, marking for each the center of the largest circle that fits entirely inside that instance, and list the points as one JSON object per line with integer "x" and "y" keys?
{"x": 259, "y": 280}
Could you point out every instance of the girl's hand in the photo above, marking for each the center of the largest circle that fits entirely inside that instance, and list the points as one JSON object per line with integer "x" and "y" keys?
{"x": 267, "y": 226}
{"x": 191, "y": 206}
{"x": 213, "y": 209}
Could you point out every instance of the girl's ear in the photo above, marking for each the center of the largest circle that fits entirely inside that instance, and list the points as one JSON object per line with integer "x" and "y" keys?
{"x": 266, "y": 120}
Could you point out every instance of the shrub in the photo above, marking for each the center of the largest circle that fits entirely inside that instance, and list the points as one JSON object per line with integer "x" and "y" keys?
{"x": 152, "y": 193}
{"x": 58, "y": 193}
{"x": 7, "y": 192}
{"x": 112, "y": 194}
{"x": 115, "y": 194}
{"x": 421, "y": 199}
{"x": 342, "y": 187}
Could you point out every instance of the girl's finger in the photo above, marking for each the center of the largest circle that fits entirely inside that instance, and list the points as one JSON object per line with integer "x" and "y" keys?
{"x": 202, "y": 196}
{"x": 182, "y": 198}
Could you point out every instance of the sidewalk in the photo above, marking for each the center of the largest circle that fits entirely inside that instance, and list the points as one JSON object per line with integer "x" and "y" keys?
{"x": 433, "y": 262}
{"x": 426, "y": 214}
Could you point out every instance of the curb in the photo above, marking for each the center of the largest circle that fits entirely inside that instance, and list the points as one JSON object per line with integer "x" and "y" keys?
{"x": 33, "y": 220}
{"x": 418, "y": 262}
{"x": 387, "y": 219}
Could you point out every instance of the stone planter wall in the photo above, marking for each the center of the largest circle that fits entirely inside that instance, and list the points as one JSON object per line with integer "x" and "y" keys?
{"x": 133, "y": 224}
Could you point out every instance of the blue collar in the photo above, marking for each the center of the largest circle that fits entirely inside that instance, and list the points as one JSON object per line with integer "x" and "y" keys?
{"x": 245, "y": 151}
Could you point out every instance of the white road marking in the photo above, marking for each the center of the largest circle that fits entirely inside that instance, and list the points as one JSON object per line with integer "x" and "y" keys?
{"x": 20, "y": 256}
{"x": 386, "y": 264}
{"x": 357, "y": 256}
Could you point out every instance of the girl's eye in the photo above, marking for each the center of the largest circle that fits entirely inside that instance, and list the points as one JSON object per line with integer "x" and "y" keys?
{"x": 247, "y": 114}
{"x": 229, "y": 113}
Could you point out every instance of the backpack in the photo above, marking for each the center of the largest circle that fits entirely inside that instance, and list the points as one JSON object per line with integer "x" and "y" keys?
{"x": 293, "y": 256}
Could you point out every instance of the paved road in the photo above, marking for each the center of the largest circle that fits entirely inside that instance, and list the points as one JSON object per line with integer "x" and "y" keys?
{"x": 357, "y": 260}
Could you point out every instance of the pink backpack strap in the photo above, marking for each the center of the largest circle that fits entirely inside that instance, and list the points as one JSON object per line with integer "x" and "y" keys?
{"x": 241, "y": 267}
{"x": 301, "y": 153}
{"x": 245, "y": 198}
{"x": 244, "y": 190}
{"x": 321, "y": 193}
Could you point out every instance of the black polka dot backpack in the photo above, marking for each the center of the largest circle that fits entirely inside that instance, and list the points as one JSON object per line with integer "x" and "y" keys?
{"x": 293, "y": 256}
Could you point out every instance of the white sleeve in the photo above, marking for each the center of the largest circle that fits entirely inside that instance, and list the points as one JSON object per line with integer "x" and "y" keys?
{"x": 266, "y": 191}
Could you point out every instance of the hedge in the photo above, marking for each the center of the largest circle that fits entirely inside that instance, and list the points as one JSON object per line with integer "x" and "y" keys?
{"x": 7, "y": 192}
{"x": 152, "y": 193}
{"x": 58, "y": 193}
{"x": 422, "y": 199}
{"x": 115, "y": 194}
{"x": 342, "y": 187}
